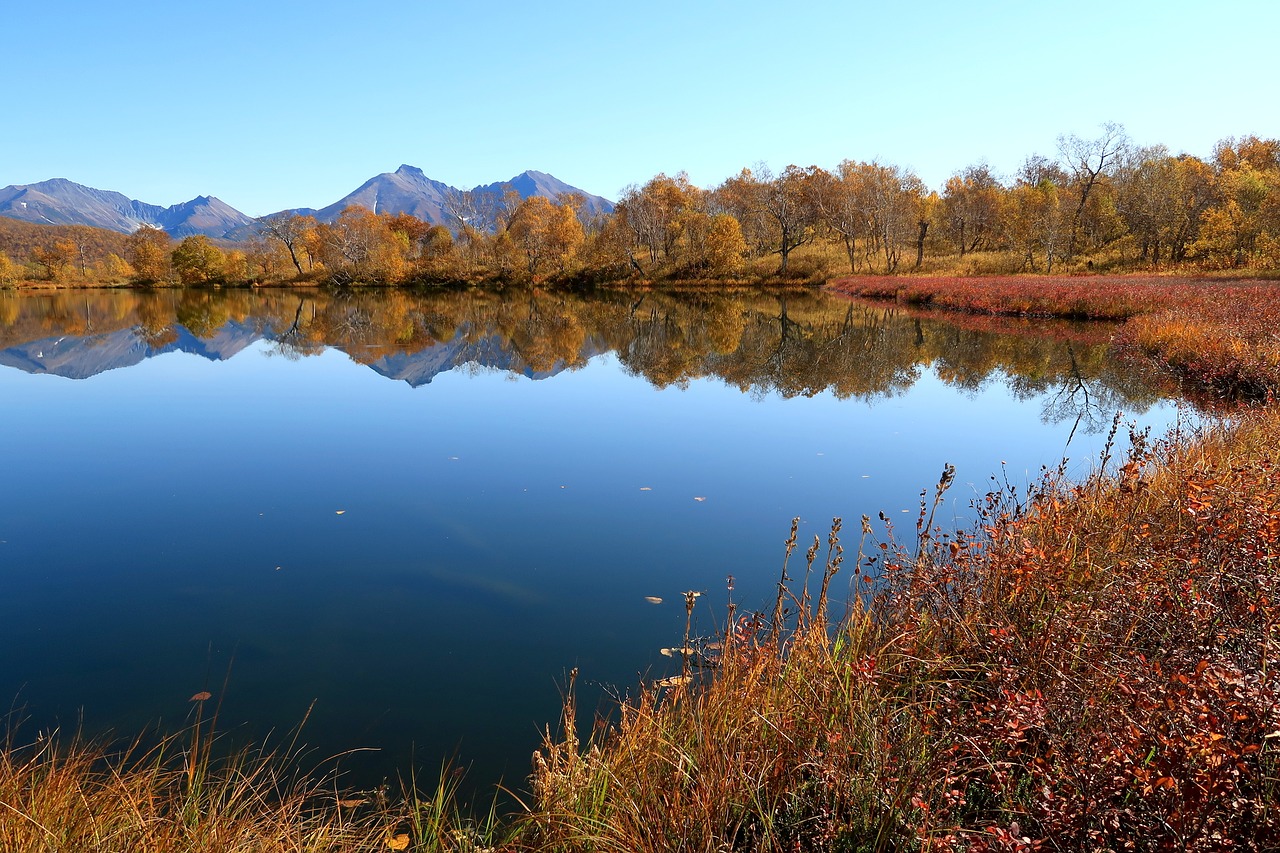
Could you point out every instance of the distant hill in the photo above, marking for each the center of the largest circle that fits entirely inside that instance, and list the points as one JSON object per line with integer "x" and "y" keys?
{"x": 19, "y": 239}
{"x": 409, "y": 190}
{"x": 62, "y": 202}
{"x": 406, "y": 190}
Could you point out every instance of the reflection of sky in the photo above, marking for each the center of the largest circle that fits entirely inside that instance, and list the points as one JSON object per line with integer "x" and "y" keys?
{"x": 495, "y": 531}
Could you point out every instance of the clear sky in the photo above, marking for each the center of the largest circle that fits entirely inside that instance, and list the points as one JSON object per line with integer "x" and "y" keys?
{"x": 280, "y": 103}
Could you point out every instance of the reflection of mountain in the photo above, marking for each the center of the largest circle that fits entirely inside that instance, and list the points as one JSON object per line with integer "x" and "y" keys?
{"x": 83, "y": 356}
{"x": 491, "y": 352}
{"x": 79, "y": 357}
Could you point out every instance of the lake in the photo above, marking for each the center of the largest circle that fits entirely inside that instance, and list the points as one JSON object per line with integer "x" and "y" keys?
{"x": 405, "y": 516}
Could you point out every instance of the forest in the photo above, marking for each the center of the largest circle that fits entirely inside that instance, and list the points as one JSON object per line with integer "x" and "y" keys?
{"x": 1102, "y": 204}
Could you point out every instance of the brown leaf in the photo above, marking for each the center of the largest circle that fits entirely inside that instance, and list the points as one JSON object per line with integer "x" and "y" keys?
{"x": 398, "y": 842}
{"x": 201, "y": 696}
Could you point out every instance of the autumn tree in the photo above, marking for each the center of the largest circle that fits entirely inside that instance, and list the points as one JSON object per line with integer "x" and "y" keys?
{"x": 9, "y": 271}
{"x": 290, "y": 230}
{"x": 1032, "y": 221}
{"x": 359, "y": 246}
{"x": 57, "y": 258}
{"x": 893, "y": 198}
{"x": 1089, "y": 162}
{"x": 841, "y": 203}
{"x": 147, "y": 251}
{"x": 1244, "y": 226}
{"x": 114, "y": 269}
{"x": 197, "y": 261}
{"x": 778, "y": 210}
{"x": 653, "y": 213}
{"x": 971, "y": 208}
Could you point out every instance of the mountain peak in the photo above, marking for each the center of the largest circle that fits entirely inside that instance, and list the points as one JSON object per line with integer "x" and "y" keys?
{"x": 410, "y": 171}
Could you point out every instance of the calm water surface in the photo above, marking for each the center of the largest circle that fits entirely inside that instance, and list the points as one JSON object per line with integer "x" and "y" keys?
{"x": 417, "y": 512}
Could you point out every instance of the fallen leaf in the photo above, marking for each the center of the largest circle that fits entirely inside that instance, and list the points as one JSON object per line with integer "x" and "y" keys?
{"x": 201, "y": 696}
{"x": 675, "y": 681}
{"x": 646, "y": 489}
{"x": 699, "y": 499}
{"x": 653, "y": 599}
{"x": 351, "y": 804}
{"x": 339, "y": 512}
{"x": 398, "y": 842}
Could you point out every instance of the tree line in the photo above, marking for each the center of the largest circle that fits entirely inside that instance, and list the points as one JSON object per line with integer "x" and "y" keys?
{"x": 1102, "y": 203}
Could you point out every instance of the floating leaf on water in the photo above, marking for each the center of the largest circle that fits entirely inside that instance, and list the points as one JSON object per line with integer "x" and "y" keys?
{"x": 653, "y": 599}
{"x": 278, "y": 568}
{"x": 398, "y": 842}
{"x": 646, "y": 489}
{"x": 699, "y": 500}
{"x": 339, "y": 512}
{"x": 670, "y": 653}
{"x": 351, "y": 804}
{"x": 866, "y": 476}
{"x": 201, "y": 696}
{"x": 713, "y": 647}
{"x": 675, "y": 680}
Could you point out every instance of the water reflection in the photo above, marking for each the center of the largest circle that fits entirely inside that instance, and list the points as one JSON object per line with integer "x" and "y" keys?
{"x": 559, "y": 459}
{"x": 788, "y": 344}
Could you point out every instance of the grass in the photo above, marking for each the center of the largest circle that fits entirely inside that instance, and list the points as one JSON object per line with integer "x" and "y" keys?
{"x": 1094, "y": 666}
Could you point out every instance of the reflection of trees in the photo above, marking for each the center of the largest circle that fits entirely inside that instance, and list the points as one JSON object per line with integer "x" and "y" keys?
{"x": 791, "y": 344}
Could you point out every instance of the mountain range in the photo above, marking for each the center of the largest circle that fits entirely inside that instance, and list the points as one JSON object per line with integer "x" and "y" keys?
{"x": 406, "y": 190}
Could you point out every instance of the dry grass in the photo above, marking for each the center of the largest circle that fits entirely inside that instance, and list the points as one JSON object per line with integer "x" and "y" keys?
{"x": 1094, "y": 668}
{"x": 181, "y": 795}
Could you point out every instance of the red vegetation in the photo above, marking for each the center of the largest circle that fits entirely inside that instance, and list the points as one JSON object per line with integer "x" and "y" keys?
{"x": 1221, "y": 336}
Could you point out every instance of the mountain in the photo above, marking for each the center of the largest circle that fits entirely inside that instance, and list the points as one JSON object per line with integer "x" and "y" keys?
{"x": 409, "y": 190}
{"x": 406, "y": 190}
{"x": 531, "y": 183}
{"x": 63, "y": 202}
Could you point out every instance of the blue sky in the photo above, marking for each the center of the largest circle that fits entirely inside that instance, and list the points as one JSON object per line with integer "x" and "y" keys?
{"x": 275, "y": 104}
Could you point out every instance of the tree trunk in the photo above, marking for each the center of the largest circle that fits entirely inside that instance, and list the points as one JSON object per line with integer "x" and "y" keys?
{"x": 924, "y": 229}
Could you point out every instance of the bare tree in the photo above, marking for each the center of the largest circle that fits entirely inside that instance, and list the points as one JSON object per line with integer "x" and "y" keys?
{"x": 289, "y": 229}
{"x": 1089, "y": 160}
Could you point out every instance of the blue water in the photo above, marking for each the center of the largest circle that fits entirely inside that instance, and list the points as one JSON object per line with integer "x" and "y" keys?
{"x": 420, "y": 566}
